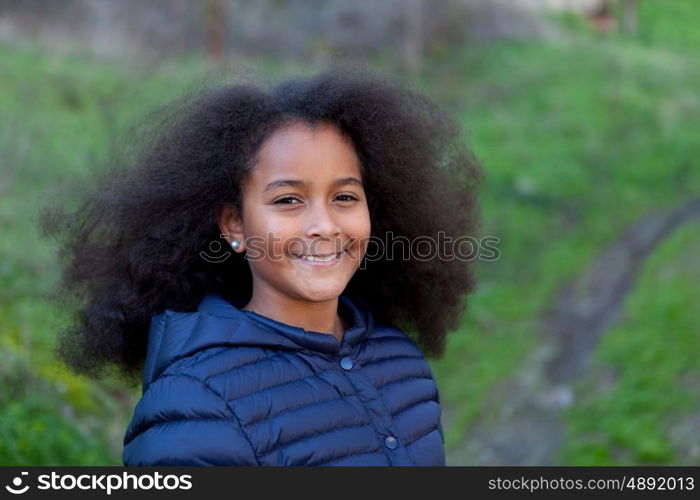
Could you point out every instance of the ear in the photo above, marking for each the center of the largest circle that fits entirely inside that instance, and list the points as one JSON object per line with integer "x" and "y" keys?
{"x": 231, "y": 226}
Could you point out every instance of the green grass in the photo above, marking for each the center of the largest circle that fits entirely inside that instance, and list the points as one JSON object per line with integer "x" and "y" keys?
{"x": 579, "y": 137}
{"x": 60, "y": 115}
{"x": 653, "y": 353}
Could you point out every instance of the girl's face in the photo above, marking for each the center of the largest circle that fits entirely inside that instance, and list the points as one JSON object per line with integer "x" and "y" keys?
{"x": 303, "y": 198}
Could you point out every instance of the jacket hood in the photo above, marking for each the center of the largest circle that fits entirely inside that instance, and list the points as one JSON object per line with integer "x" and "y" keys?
{"x": 218, "y": 323}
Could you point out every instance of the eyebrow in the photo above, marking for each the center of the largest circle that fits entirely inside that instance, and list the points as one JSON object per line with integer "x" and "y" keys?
{"x": 295, "y": 182}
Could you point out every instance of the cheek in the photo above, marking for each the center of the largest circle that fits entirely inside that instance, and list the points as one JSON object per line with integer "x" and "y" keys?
{"x": 282, "y": 240}
{"x": 360, "y": 225}
{"x": 360, "y": 229}
{"x": 269, "y": 231}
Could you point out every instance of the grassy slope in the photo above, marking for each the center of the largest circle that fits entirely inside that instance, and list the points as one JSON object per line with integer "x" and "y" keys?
{"x": 652, "y": 356}
{"x": 579, "y": 139}
{"x": 59, "y": 115}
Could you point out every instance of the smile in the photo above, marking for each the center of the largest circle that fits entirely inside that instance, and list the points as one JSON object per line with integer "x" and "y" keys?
{"x": 315, "y": 260}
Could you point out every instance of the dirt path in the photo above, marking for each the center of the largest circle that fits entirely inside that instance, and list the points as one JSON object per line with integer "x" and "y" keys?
{"x": 525, "y": 428}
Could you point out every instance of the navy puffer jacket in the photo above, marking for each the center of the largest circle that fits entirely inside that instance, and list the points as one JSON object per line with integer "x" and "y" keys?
{"x": 225, "y": 386}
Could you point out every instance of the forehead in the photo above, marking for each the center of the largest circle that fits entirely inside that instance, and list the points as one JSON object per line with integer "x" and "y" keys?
{"x": 300, "y": 151}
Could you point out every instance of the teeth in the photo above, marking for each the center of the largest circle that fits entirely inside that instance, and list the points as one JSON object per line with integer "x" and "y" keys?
{"x": 319, "y": 259}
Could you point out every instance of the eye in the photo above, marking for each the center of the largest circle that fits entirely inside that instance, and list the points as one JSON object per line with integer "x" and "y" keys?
{"x": 287, "y": 200}
{"x": 348, "y": 197}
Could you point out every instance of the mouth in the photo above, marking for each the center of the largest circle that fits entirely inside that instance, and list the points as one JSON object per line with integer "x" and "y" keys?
{"x": 326, "y": 257}
{"x": 320, "y": 258}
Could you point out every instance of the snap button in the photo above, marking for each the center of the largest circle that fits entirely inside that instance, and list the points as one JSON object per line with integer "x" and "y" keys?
{"x": 346, "y": 363}
{"x": 391, "y": 442}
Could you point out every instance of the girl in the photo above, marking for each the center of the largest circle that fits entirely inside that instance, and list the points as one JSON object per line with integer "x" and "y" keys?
{"x": 250, "y": 258}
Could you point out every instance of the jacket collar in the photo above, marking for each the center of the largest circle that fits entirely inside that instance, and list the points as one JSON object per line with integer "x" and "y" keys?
{"x": 219, "y": 323}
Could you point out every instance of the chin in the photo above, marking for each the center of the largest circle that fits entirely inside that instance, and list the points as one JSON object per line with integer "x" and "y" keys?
{"x": 323, "y": 295}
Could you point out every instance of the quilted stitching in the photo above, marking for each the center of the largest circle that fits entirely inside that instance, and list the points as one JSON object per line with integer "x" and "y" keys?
{"x": 234, "y": 391}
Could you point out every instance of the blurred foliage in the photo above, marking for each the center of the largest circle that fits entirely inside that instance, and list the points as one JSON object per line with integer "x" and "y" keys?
{"x": 668, "y": 25}
{"x": 38, "y": 408}
{"x": 579, "y": 136}
{"x": 579, "y": 139}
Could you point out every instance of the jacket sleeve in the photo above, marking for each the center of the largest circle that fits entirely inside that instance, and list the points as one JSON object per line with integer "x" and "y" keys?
{"x": 180, "y": 420}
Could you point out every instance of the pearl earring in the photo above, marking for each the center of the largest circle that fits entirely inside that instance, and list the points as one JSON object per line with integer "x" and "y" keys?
{"x": 235, "y": 244}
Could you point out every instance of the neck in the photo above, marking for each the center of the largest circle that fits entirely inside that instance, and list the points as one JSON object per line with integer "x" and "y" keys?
{"x": 321, "y": 317}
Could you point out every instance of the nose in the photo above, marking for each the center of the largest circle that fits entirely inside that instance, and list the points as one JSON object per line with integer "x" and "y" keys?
{"x": 323, "y": 224}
